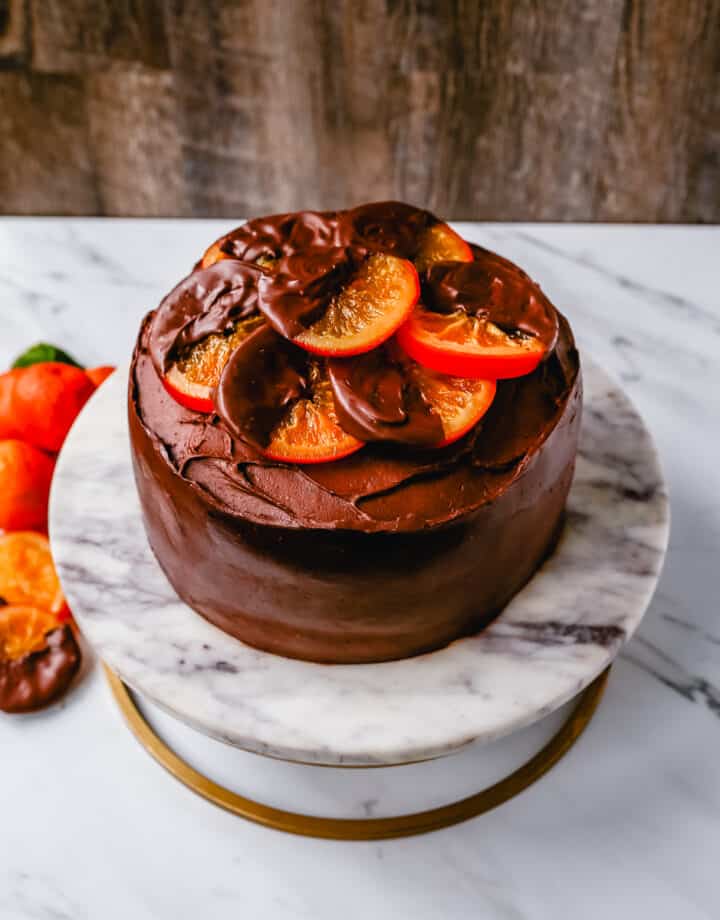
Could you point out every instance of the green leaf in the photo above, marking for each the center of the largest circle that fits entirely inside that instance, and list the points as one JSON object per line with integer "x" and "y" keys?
{"x": 42, "y": 352}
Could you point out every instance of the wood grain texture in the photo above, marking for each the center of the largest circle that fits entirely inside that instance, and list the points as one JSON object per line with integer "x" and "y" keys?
{"x": 72, "y": 36}
{"x": 13, "y": 33}
{"x": 662, "y": 148}
{"x": 502, "y": 109}
{"x": 138, "y": 162}
{"x": 45, "y": 158}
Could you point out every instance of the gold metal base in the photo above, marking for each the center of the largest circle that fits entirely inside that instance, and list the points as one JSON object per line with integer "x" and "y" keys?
{"x": 364, "y": 828}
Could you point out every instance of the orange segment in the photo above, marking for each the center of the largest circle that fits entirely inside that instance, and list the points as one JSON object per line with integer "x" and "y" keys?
{"x": 27, "y": 573}
{"x": 367, "y": 311}
{"x": 468, "y": 346}
{"x": 311, "y": 432}
{"x": 440, "y": 243}
{"x": 23, "y": 630}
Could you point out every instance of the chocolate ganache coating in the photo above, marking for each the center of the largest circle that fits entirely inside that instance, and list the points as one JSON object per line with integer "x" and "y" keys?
{"x": 384, "y": 226}
{"x": 264, "y": 375}
{"x": 299, "y": 288}
{"x": 207, "y": 301}
{"x": 393, "y": 551}
{"x": 376, "y": 400}
{"x": 492, "y": 289}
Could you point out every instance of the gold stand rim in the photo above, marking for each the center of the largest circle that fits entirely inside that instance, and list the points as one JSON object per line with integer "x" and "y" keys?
{"x": 420, "y": 822}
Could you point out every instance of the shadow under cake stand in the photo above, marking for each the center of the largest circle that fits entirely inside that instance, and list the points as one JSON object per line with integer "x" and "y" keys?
{"x": 194, "y": 686}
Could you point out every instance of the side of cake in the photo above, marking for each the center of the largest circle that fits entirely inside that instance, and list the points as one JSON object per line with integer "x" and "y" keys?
{"x": 312, "y": 479}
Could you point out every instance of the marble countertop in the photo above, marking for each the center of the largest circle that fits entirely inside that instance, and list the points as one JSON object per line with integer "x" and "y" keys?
{"x": 628, "y": 822}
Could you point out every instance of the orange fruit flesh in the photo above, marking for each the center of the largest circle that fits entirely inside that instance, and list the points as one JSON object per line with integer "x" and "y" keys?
{"x": 310, "y": 433}
{"x": 198, "y": 371}
{"x": 214, "y": 254}
{"x": 440, "y": 243}
{"x": 368, "y": 310}
{"x": 27, "y": 572}
{"x": 464, "y": 333}
{"x": 460, "y": 402}
{"x": 23, "y": 630}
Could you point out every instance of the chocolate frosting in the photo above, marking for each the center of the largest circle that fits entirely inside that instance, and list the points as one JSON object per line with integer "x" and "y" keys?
{"x": 383, "y": 487}
{"x": 39, "y": 678}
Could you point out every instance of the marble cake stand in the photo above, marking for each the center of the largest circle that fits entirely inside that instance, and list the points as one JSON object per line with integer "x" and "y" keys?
{"x": 554, "y": 640}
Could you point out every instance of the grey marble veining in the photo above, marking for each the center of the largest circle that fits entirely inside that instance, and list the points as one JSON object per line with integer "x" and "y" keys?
{"x": 628, "y": 823}
{"x": 552, "y": 639}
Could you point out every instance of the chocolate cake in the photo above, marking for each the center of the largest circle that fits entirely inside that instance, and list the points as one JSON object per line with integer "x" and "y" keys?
{"x": 313, "y": 480}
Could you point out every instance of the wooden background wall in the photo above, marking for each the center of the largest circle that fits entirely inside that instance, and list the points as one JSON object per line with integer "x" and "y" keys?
{"x": 503, "y": 109}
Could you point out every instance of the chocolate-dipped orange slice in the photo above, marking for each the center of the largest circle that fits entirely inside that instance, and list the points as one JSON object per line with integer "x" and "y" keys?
{"x": 479, "y": 322}
{"x": 440, "y": 243}
{"x": 38, "y": 658}
{"x": 386, "y": 396}
{"x": 332, "y": 304}
{"x": 192, "y": 378}
{"x": 278, "y": 398}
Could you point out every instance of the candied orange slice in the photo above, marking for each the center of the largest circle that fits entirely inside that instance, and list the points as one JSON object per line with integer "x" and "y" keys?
{"x": 194, "y": 376}
{"x": 468, "y": 346}
{"x": 311, "y": 432}
{"x": 27, "y": 573}
{"x": 23, "y": 630}
{"x": 460, "y": 402}
{"x": 367, "y": 311}
{"x": 278, "y": 398}
{"x": 440, "y": 243}
{"x": 214, "y": 254}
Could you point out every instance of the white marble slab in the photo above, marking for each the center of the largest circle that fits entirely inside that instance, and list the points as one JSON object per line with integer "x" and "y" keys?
{"x": 565, "y": 626}
{"x": 628, "y": 825}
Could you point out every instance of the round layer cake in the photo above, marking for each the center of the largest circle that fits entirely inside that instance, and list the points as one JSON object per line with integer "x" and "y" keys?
{"x": 353, "y": 434}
